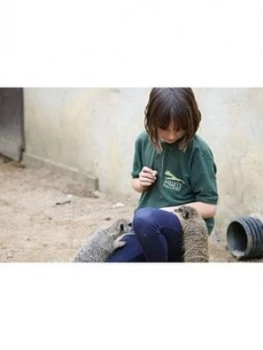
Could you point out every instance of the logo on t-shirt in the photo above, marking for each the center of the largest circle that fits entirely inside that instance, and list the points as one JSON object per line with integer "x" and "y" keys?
{"x": 172, "y": 182}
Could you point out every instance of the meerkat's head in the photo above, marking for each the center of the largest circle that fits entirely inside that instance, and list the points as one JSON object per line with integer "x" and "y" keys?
{"x": 122, "y": 226}
{"x": 186, "y": 212}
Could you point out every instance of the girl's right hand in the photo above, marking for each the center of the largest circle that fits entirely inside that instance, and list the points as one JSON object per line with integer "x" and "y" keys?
{"x": 147, "y": 176}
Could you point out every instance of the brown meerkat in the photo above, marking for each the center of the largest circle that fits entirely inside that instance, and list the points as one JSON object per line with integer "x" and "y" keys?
{"x": 195, "y": 234}
{"x": 102, "y": 242}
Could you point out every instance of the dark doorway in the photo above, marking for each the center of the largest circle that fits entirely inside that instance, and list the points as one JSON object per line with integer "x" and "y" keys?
{"x": 11, "y": 123}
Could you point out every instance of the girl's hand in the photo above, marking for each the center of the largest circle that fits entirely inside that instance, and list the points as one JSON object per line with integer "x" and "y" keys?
{"x": 147, "y": 176}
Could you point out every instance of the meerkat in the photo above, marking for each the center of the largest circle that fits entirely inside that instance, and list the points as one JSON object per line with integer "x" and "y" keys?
{"x": 102, "y": 242}
{"x": 195, "y": 234}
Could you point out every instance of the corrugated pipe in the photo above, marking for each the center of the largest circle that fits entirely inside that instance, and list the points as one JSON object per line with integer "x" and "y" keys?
{"x": 245, "y": 237}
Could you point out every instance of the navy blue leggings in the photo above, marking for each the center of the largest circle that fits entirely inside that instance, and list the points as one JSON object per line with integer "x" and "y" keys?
{"x": 156, "y": 236}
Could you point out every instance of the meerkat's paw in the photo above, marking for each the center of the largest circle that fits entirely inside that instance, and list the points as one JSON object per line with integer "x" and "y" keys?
{"x": 118, "y": 243}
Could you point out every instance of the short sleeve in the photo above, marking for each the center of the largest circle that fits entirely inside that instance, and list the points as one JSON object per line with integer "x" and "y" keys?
{"x": 137, "y": 158}
{"x": 203, "y": 177}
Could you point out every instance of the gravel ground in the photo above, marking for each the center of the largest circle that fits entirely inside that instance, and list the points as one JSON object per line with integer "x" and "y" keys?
{"x": 45, "y": 216}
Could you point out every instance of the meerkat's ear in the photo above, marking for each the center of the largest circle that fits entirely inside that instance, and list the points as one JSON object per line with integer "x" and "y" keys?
{"x": 185, "y": 212}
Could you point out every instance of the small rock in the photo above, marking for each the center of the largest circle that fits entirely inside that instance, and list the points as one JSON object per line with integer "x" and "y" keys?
{"x": 10, "y": 255}
{"x": 67, "y": 200}
{"x": 27, "y": 238}
{"x": 96, "y": 194}
{"x": 118, "y": 205}
{"x": 107, "y": 218}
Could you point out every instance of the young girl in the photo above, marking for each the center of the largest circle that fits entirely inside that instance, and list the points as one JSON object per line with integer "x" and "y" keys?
{"x": 172, "y": 167}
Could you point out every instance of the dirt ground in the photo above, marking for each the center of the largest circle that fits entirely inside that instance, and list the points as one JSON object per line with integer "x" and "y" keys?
{"x": 45, "y": 216}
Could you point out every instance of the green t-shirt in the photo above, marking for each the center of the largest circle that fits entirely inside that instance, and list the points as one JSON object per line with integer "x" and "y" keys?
{"x": 183, "y": 176}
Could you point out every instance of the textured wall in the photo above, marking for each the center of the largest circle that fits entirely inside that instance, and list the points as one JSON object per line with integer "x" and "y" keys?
{"x": 93, "y": 130}
{"x": 233, "y": 126}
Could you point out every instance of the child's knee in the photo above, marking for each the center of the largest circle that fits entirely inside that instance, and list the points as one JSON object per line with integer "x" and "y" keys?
{"x": 144, "y": 219}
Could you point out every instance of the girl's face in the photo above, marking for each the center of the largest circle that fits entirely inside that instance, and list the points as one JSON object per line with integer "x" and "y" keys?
{"x": 171, "y": 134}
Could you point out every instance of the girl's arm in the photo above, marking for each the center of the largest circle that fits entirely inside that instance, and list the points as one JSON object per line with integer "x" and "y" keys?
{"x": 136, "y": 185}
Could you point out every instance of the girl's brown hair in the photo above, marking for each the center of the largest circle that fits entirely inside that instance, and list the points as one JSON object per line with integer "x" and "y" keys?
{"x": 172, "y": 104}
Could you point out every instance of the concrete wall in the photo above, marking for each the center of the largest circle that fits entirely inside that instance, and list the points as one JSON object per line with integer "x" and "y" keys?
{"x": 93, "y": 131}
{"x": 233, "y": 126}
